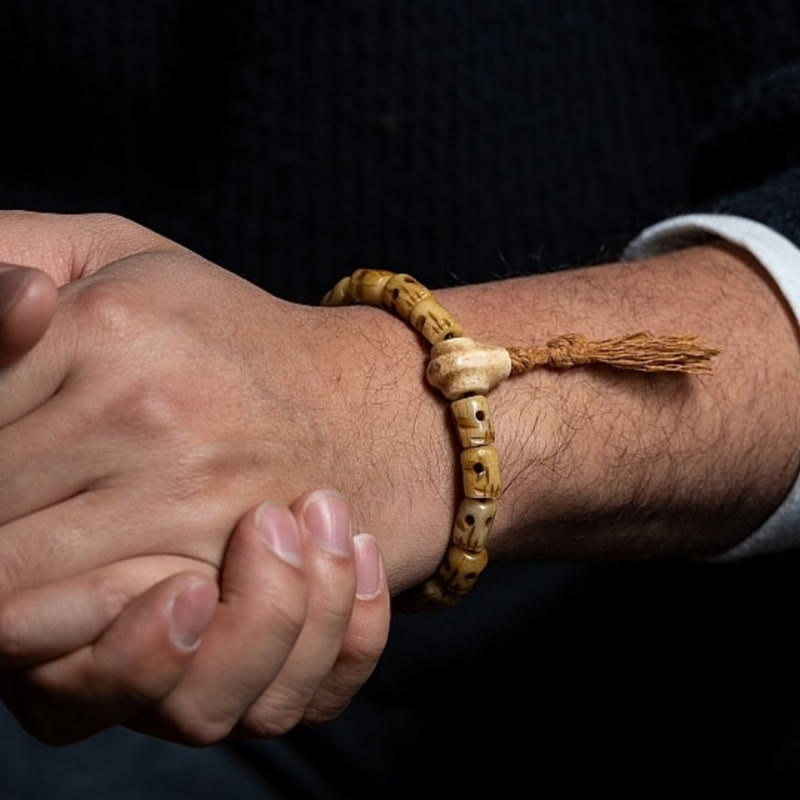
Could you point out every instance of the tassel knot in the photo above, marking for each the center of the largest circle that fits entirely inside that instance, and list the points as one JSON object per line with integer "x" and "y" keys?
{"x": 641, "y": 352}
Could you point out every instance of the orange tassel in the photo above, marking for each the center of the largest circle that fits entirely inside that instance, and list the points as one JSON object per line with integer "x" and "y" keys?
{"x": 642, "y": 352}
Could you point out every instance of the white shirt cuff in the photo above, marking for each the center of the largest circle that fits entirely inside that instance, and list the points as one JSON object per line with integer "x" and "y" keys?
{"x": 781, "y": 259}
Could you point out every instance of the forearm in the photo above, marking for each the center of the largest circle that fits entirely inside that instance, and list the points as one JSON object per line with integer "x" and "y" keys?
{"x": 599, "y": 463}
{"x": 249, "y": 392}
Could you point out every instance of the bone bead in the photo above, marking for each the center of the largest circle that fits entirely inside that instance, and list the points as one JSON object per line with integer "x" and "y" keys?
{"x": 480, "y": 468}
{"x": 433, "y": 321}
{"x": 401, "y": 293}
{"x": 462, "y": 366}
{"x": 473, "y": 420}
{"x": 460, "y": 569}
{"x": 339, "y": 295}
{"x": 473, "y": 523}
{"x": 430, "y": 594}
{"x": 366, "y": 285}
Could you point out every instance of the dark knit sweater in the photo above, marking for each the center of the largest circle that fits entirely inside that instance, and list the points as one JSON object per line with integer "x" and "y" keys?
{"x": 460, "y": 141}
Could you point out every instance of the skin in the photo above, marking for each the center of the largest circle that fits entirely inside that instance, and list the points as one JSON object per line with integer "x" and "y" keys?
{"x": 194, "y": 390}
{"x": 286, "y": 637}
{"x": 291, "y": 632}
{"x": 618, "y": 465}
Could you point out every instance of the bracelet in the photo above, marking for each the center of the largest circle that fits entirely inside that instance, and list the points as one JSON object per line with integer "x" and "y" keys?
{"x": 465, "y": 371}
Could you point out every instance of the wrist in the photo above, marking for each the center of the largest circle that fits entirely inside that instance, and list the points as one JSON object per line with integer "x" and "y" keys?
{"x": 387, "y": 435}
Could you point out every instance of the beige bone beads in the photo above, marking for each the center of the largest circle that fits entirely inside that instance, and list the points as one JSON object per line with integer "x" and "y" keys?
{"x": 339, "y": 295}
{"x": 480, "y": 467}
{"x": 461, "y": 366}
{"x": 473, "y": 420}
{"x": 401, "y": 293}
{"x": 431, "y": 594}
{"x": 433, "y": 320}
{"x": 473, "y": 523}
{"x": 463, "y": 371}
{"x": 460, "y": 568}
{"x": 366, "y": 286}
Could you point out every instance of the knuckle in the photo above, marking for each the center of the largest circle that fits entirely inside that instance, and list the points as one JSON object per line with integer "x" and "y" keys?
{"x": 124, "y": 232}
{"x": 281, "y": 609}
{"x": 13, "y": 629}
{"x": 147, "y": 406}
{"x": 271, "y": 722}
{"x": 105, "y": 238}
{"x": 327, "y": 707}
{"x": 107, "y": 222}
{"x": 335, "y": 613}
{"x": 205, "y": 735}
{"x": 319, "y": 716}
{"x": 115, "y": 236}
{"x": 110, "y": 309}
{"x": 290, "y": 615}
{"x": 363, "y": 650}
{"x": 201, "y": 731}
{"x": 109, "y": 596}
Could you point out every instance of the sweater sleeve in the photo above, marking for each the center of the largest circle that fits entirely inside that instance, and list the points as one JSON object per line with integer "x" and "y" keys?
{"x": 746, "y": 189}
{"x": 781, "y": 259}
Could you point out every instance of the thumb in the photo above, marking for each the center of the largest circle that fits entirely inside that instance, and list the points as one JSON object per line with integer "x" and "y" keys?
{"x": 27, "y": 303}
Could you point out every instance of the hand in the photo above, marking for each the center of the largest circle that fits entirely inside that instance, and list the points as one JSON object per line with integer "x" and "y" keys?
{"x": 297, "y": 631}
{"x": 40, "y": 252}
{"x": 168, "y": 392}
{"x": 56, "y": 243}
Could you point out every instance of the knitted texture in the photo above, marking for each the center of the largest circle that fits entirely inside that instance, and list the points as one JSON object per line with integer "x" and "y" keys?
{"x": 292, "y": 142}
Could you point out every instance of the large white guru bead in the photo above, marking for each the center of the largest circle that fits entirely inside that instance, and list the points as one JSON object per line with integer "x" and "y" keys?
{"x": 461, "y": 366}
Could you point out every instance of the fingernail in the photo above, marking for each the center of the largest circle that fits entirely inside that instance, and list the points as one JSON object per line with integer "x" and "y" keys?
{"x": 327, "y": 519}
{"x": 13, "y": 281}
{"x": 191, "y": 612}
{"x": 368, "y": 567}
{"x": 279, "y": 530}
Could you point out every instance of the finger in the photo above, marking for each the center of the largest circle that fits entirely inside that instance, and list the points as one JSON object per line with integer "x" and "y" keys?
{"x": 136, "y": 662}
{"x": 261, "y": 613}
{"x": 365, "y": 639}
{"x": 324, "y": 521}
{"x": 27, "y": 303}
{"x": 53, "y": 620}
{"x": 72, "y": 246}
{"x": 90, "y": 315}
{"x": 102, "y": 526}
{"x": 37, "y": 470}
{"x": 26, "y": 383}
{"x": 66, "y": 248}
